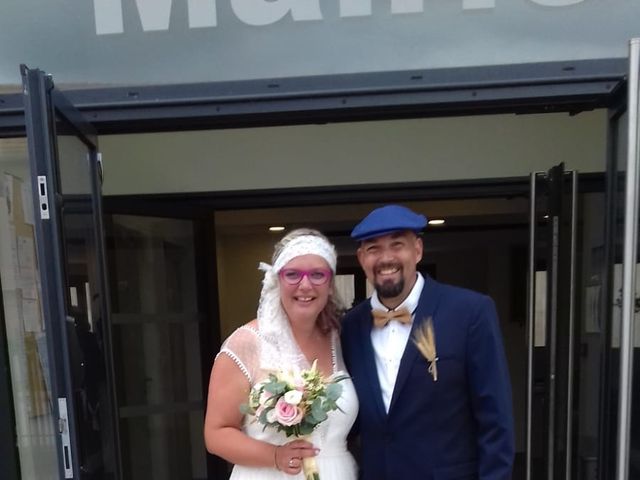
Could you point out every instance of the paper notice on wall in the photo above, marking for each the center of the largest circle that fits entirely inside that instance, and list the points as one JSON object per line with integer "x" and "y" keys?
{"x": 73, "y": 296}
{"x": 26, "y": 261}
{"x": 616, "y": 317}
{"x": 38, "y": 385}
{"x": 345, "y": 285}
{"x": 41, "y": 345}
{"x": 6, "y": 263}
{"x": 31, "y": 315}
{"x": 27, "y": 203}
{"x": 8, "y": 250}
{"x": 8, "y": 194}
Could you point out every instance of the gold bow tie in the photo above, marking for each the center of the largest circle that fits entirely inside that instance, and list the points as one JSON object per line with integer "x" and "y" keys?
{"x": 381, "y": 318}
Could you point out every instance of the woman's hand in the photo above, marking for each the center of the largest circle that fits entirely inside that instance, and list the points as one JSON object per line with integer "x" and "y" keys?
{"x": 288, "y": 457}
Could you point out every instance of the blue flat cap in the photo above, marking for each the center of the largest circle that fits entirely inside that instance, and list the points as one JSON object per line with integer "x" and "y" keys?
{"x": 388, "y": 219}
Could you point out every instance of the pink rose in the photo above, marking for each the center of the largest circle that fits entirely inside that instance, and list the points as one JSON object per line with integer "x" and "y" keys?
{"x": 288, "y": 414}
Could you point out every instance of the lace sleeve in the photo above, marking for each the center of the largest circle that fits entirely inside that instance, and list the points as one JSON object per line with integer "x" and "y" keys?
{"x": 243, "y": 347}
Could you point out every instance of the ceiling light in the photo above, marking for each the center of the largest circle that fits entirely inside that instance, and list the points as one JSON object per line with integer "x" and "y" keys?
{"x": 276, "y": 229}
{"x": 436, "y": 221}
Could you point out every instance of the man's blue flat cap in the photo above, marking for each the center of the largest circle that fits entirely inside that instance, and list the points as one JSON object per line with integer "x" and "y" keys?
{"x": 388, "y": 219}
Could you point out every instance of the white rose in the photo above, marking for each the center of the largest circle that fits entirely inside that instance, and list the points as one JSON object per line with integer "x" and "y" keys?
{"x": 293, "y": 397}
{"x": 271, "y": 416}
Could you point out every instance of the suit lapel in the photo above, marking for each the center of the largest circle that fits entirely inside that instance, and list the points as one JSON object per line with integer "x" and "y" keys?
{"x": 370, "y": 362}
{"x": 426, "y": 308}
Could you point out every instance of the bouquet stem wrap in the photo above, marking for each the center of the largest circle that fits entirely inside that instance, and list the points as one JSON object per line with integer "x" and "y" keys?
{"x": 310, "y": 466}
{"x": 310, "y": 469}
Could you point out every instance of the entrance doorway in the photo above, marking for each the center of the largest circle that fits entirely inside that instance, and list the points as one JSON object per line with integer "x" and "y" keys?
{"x": 483, "y": 245}
{"x": 476, "y": 245}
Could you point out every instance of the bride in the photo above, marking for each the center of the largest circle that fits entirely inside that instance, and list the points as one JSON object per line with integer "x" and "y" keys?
{"x": 297, "y": 323}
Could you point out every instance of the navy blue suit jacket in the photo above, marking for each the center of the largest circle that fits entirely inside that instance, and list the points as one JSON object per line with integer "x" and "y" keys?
{"x": 460, "y": 427}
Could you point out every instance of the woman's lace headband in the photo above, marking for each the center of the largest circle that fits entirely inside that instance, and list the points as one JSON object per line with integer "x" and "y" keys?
{"x": 304, "y": 245}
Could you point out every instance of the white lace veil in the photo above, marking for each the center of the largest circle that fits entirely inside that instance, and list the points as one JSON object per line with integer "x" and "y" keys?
{"x": 278, "y": 347}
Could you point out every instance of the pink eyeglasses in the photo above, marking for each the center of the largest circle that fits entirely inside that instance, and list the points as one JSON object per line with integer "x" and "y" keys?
{"x": 317, "y": 276}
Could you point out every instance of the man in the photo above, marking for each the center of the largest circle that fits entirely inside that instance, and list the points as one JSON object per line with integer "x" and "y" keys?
{"x": 428, "y": 364}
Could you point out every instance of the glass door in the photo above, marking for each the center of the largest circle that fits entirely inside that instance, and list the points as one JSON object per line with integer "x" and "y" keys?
{"x": 161, "y": 344}
{"x": 66, "y": 183}
{"x": 567, "y": 334}
{"x": 551, "y": 322}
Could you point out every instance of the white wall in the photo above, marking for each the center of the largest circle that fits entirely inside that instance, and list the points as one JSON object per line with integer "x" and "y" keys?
{"x": 352, "y": 153}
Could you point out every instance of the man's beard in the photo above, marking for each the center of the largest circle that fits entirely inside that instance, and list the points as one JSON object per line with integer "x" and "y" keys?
{"x": 389, "y": 289}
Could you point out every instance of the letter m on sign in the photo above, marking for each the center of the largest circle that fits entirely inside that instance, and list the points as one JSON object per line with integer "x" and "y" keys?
{"x": 154, "y": 15}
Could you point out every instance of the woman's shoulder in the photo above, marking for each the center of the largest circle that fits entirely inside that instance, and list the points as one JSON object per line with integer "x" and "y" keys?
{"x": 247, "y": 333}
{"x": 242, "y": 347}
{"x": 252, "y": 325}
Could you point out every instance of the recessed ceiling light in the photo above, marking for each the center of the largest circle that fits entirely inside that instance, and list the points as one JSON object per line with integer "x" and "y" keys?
{"x": 436, "y": 221}
{"x": 276, "y": 229}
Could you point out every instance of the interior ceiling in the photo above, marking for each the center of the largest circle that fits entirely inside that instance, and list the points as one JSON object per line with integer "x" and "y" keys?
{"x": 338, "y": 220}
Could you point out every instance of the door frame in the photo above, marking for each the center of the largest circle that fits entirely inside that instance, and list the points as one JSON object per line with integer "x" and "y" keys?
{"x": 546, "y": 87}
{"x": 43, "y": 103}
{"x": 630, "y": 271}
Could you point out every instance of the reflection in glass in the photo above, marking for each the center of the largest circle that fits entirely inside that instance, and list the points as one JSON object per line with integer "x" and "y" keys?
{"x": 85, "y": 322}
{"x": 25, "y": 334}
{"x": 156, "y": 337}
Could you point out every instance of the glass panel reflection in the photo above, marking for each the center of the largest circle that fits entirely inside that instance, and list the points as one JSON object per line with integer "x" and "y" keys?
{"x": 25, "y": 335}
{"x": 163, "y": 446}
{"x": 86, "y": 325}
{"x": 157, "y": 338}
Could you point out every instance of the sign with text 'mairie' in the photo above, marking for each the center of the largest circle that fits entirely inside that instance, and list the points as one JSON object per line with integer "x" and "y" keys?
{"x": 103, "y": 42}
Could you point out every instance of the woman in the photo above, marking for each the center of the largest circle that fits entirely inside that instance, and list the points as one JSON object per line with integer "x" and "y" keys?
{"x": 297, "y": 323}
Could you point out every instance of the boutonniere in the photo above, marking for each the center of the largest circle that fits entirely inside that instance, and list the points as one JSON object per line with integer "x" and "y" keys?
{"x": 425, "y": 339}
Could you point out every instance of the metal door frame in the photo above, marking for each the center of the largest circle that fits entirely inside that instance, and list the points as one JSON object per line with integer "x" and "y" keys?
{"x": 42, "y": 103}
{"x": 546, "y": 87}
{"x": 629, "y": 263}
{"x": 551, "y": 321}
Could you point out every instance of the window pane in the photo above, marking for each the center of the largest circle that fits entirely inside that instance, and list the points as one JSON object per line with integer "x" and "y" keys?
{"x": 25, "y": 334}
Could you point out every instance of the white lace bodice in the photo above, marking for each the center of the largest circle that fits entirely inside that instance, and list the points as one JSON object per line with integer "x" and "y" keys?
{"x": 244, "y": 347}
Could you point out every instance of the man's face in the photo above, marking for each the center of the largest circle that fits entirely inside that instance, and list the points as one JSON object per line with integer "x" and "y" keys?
{"x": 390, "y": 262}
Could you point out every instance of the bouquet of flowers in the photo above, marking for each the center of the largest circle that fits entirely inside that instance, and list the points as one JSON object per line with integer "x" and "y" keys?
{"x": 295, "y": 402}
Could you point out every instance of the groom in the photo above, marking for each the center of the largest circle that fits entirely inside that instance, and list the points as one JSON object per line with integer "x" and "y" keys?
{"x": 440, "y": 410}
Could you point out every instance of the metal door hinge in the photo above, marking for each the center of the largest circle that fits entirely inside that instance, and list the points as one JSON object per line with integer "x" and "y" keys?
{"x": 43, "y": 197}
{"x": 63, "y": 429}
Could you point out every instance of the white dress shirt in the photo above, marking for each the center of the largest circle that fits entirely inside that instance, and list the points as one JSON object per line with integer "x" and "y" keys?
{"x": 390, "y": 341}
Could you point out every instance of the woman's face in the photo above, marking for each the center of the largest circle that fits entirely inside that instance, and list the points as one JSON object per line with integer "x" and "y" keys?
{"x": 305, "y": 284}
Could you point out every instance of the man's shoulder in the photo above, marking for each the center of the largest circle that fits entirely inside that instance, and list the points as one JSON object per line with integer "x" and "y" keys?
{"x": 455, "y": 293}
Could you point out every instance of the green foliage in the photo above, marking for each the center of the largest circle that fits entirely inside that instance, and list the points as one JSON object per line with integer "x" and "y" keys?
{"x": 319, "y": 397}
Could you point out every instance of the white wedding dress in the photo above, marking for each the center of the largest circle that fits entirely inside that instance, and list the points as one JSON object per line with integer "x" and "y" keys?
{"x": 257, "y": 353}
